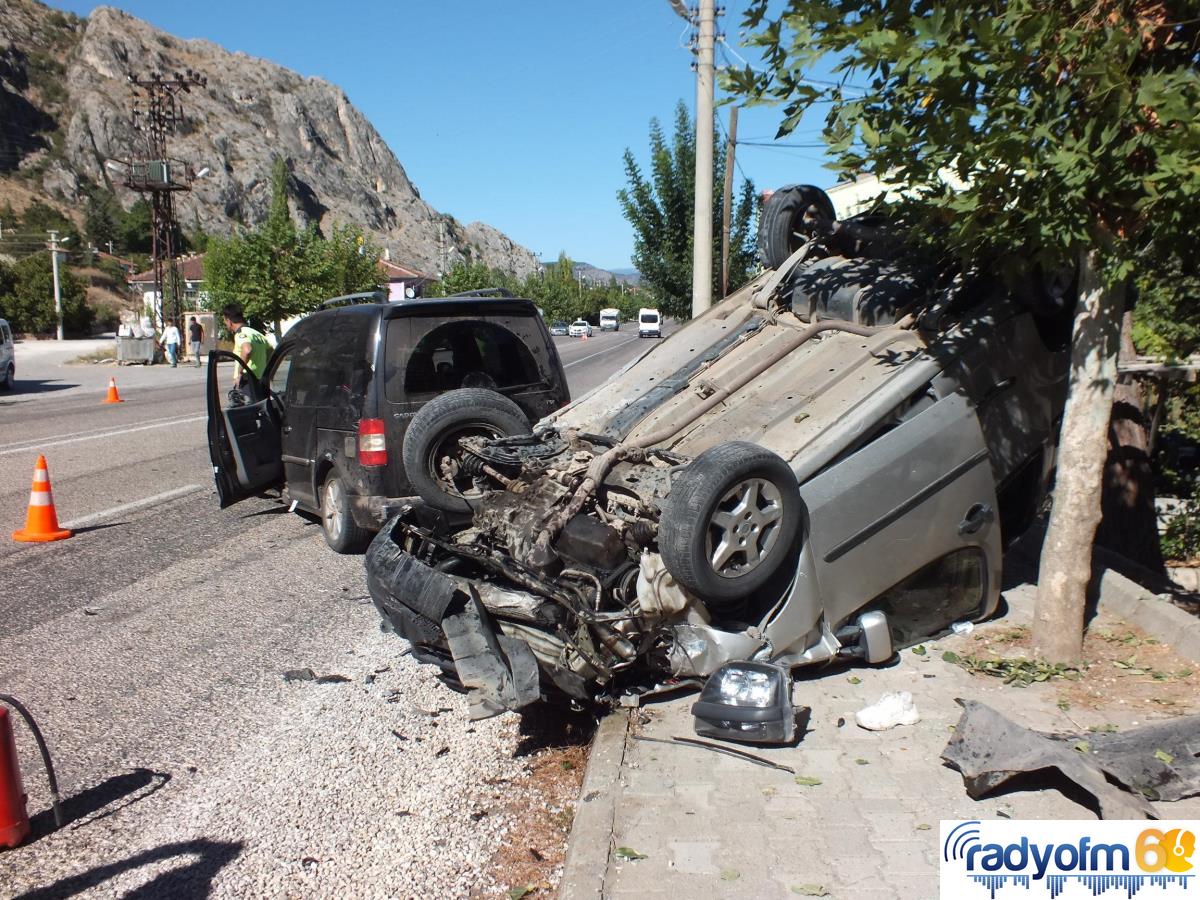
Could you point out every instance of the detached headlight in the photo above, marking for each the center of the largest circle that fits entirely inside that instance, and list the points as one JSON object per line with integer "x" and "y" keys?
{"x": 747, "y": 701}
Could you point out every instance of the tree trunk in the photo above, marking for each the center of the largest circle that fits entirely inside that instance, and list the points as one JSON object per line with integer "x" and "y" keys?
{"x": 1130, "y": 525}
{"x": 1066, "y": 565}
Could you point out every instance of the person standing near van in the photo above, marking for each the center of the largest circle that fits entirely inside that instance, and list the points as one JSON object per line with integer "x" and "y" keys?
{"x": 170, "y": 340}
{"x": 196, "y": 338}
{"x": 248, "y": 343}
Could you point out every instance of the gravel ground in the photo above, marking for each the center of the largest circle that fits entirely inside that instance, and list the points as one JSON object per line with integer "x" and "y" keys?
{"x": 193, "y": 768}
{"x": 372, "y": 787}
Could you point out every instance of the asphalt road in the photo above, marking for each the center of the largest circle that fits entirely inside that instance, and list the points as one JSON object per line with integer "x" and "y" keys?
{"x": 151, "y": 648}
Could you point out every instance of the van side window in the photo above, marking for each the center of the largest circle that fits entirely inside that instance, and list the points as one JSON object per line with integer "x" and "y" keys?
{"x": 464, "y": 353}
{"x": 331, "y": 367}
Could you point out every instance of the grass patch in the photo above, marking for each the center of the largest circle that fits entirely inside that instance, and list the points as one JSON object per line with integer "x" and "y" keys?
{"x": 96, "y": 357}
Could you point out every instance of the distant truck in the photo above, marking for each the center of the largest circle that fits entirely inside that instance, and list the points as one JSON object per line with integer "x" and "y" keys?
{"x": 649, "y": 323}
{"x": 610, "y": 320}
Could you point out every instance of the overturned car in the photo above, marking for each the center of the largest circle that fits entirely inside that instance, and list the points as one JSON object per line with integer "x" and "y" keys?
{"x": 825, "y": 465}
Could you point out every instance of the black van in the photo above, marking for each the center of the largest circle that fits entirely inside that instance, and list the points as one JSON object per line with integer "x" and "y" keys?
{"x": 327, "y": 423}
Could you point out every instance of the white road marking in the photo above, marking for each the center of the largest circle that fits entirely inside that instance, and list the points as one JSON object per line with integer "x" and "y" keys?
{"x": 599, "y": 353}
{"x": 40, "y": 444}
{"x": 131, "y": 507}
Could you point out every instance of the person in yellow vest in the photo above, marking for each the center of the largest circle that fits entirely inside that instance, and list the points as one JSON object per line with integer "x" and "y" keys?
{"x": 248, "y": 343}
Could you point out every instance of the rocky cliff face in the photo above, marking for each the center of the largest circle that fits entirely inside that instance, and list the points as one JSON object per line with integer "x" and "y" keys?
{"x": 65, "y": 104}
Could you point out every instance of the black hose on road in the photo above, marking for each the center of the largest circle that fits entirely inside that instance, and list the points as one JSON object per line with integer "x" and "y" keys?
{"x": 55, "y": 800}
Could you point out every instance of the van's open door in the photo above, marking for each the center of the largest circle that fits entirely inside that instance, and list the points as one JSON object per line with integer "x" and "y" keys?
{"x": 243, "y": 438}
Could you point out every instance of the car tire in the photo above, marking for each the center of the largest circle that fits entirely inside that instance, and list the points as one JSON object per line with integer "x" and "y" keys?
{"x": 781, "y": 224}
{"x": 342, "y": 533}
{"x": 730, "y": 521}
{"x": 435, "y": 431}
{"x": 10, "y": 378}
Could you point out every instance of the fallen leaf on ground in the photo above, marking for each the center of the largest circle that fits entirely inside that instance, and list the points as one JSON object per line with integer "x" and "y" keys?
{"x": 810, "y": 890}
{"x": 628, "y": 853}
{"x": 807, "y": 780}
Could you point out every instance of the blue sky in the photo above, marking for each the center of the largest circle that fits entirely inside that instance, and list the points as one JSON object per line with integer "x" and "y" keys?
{"x": 513, "y": 113}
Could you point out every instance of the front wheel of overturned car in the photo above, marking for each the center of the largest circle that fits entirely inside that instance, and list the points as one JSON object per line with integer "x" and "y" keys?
{"x": 433, "y": 459}
{"x": 342, "y": 533}
{"x": 730, "y": 521}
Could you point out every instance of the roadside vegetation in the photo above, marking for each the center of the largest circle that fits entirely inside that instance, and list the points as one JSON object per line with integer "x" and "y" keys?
{"x": 557, "y": 291}
{"x": 661, "y": 210}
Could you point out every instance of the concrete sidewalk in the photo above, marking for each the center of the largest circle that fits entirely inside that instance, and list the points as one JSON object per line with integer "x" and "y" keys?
{"x": 713, "y": 826}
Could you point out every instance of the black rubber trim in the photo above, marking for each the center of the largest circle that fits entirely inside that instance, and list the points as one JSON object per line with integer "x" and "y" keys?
{"x": 722, "y": 712}
{"x": 911, "y": 503}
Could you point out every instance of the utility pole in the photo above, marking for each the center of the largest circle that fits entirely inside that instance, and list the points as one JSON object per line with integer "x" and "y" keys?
{"x": 727, "y": 200}
{"x": 702, "y": 230}
{"x": 157, "y": 113}
{"x": 57, "y": 288}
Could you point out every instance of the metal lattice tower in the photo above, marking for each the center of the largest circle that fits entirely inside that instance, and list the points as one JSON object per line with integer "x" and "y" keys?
{"x": 157, "y": 113}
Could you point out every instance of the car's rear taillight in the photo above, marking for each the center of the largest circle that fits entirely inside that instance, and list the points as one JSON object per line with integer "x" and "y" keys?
{"x": 372, "y": 442}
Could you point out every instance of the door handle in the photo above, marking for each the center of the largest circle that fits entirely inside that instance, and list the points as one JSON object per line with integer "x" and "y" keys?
{"x": 977, "y": 516}
{"x": 287, "y": 429}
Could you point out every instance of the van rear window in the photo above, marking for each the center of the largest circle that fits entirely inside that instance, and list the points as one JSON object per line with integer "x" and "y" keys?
{"x": 427, "y": 355}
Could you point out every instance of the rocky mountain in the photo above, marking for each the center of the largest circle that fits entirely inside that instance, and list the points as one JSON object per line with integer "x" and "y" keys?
{"x": 598, "y": 276}
{"x": 65, "y": 112}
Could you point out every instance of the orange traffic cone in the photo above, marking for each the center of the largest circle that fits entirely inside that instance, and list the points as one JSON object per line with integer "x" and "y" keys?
{"x": 113, "y": 396}
{"x": 41, "y": 522}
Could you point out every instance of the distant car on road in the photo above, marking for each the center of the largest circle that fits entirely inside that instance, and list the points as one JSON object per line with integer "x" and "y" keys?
{"x": 649, "y": 323}
{"x": 560, "y": 329}
{"x": 610, "y": 320}
{"x": 8, "y": 368}
{"x": 580, "y": 328}
{"x": 338, "y": 421}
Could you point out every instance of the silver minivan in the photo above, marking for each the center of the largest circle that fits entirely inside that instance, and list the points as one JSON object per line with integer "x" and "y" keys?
{"x": 8, "y": 366}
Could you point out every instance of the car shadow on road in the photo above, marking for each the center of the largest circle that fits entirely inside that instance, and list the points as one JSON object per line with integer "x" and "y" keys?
{"x": 100, "y": 801}
{"x": 192, "y": 880}
{"x": 40, "y": 386}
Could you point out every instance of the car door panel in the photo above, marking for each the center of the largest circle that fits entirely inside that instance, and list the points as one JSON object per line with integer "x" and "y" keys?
{"x": 914, "y": 495}
{"x": 244, "y": 441}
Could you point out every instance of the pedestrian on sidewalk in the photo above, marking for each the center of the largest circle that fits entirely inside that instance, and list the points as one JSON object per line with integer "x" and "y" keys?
{"x": 196, "y": 338}
{"x": 170, "y": 340}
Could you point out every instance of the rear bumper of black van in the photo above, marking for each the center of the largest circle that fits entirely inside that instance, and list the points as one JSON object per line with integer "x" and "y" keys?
{"x": 371, "y": 512}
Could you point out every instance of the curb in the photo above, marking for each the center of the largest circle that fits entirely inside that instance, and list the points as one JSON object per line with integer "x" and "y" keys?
{"x": 1157, "y": 617}
{"x": 590, "y": 841}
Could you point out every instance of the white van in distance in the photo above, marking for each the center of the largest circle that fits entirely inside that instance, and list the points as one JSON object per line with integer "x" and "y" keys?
{"x": 610, "y": 320}
{"x": 649, "y": 323}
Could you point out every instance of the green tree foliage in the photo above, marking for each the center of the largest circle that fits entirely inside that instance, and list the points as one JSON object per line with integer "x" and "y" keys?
{"x": 1070, "y": 128}
{"x": 102, "y": 216}
{"x": 134, "y": 229}
{"x": 276, "y": 272}
{"x": 661, "y": 210}
{"x": 27, "y": 297}
{"x": 557, "y": 291}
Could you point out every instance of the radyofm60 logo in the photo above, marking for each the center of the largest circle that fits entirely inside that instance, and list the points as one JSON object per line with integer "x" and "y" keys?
{"x": 1067, "y": 859}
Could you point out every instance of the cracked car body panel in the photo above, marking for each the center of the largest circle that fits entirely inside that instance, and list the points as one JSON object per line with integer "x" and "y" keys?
{"x": 613, "y": 543}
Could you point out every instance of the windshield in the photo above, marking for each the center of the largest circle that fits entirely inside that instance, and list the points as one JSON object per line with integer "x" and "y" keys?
{"x": 650, "y": 318}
